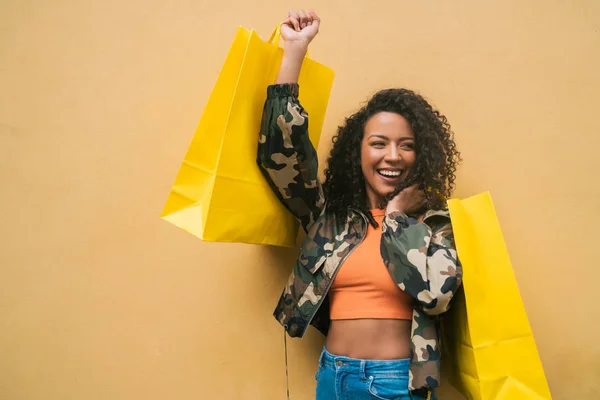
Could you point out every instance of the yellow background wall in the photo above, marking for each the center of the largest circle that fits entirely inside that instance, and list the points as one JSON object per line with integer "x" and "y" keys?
{"x": 100, "y": 299}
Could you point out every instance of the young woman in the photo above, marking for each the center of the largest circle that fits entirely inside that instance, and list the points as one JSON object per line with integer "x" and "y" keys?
{"x": 378, "y": 263}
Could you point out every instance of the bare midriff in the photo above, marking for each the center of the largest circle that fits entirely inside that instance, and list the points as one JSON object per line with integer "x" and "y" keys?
{"x": 370, "y": 339}
{"x": 370, "y": 315}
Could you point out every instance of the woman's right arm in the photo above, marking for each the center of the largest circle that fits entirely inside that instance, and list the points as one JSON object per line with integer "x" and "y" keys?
{"x": 286, "y": 157}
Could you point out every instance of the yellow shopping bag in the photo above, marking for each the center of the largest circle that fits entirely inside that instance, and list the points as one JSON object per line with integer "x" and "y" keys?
{"x": 219, "y": 193}
{"x": 488, "y": 341}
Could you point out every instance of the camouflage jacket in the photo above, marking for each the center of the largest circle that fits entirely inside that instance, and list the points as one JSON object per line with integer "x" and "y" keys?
{"x": 419, "y": 253}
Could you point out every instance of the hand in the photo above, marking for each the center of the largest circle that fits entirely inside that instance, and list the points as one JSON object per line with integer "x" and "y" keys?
{"x": 300, "y": 27}
{"x": 408, "y": 201}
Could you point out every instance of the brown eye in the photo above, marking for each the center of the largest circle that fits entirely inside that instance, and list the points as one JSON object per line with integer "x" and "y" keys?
{"x": 378, "y": 144}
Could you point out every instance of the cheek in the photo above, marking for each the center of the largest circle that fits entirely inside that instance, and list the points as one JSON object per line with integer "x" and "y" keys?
{"x": 410, "y": 158}
{"x": 366, "y": 158}
{"x": 369, "y": 157}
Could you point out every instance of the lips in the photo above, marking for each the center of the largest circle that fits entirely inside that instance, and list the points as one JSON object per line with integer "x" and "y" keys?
{"x": 390, "y": 173}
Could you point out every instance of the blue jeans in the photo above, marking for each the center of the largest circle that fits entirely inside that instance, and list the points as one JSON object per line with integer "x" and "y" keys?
{"x": 344, "y": 378}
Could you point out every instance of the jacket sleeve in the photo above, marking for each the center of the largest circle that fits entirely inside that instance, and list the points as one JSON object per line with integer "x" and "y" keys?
{"x": 422, "y": 259}
{"x": 286, "y": 157}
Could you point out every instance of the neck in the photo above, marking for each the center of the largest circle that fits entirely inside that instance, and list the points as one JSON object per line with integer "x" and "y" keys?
{"x": 373, "y": 201}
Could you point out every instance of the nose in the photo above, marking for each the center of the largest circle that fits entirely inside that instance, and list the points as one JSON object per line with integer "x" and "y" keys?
{"x": 392, "y": 154}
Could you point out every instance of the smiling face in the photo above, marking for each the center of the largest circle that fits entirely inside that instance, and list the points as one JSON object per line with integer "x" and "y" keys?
{"x": 387, "y": 154}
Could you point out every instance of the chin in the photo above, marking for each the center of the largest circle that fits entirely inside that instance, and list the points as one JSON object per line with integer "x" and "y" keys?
{"x": 383, "y": 194}
{"x": 386, "y": 192}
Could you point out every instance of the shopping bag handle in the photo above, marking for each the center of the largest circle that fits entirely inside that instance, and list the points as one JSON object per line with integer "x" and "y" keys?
{"x": 274, "y": 39}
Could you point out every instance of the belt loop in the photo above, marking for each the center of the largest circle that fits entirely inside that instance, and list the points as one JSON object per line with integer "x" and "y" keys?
{"x": 363, "y": 369}
{"x": 321, "y": 356}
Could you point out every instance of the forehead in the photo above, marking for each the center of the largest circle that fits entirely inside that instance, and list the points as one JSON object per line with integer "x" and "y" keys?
{"x": 389, "y": 124}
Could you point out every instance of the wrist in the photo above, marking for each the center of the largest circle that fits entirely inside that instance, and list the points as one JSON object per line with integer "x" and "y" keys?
{"x": 295, "y": 48}
{"x": 395, "y": 214}
{"x": 391, "y": 207}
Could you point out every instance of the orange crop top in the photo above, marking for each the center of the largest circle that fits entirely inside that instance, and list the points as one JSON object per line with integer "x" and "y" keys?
{"x": 363, "y": 287}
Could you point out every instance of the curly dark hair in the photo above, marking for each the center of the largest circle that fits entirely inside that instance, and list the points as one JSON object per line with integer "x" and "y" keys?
{"x": 436, "y": 154}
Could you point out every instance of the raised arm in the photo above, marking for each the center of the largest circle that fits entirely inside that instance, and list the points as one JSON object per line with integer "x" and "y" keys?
{"x": 286, "y": 156}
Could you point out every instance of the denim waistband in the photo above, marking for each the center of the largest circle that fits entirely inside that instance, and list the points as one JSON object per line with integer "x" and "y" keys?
{"x": 364, "y": 367}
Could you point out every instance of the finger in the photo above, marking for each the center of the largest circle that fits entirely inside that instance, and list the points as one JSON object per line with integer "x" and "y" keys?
{"x": 288, "y": 22}
{"x": 315, "y": 18}
{"x": 303, "y": 18}
{"x": 309, "y": 19}
{"x": 295, "y": 24}
{"x": 294, "y": 19}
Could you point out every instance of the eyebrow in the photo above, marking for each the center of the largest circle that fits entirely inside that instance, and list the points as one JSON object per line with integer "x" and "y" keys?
{"x": 402, "y": 139}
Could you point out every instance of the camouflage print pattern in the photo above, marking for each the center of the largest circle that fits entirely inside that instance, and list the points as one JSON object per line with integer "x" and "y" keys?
{"x": 410, "y": 248}
{"x": 315, "y": 268}
{"x": 419, "y": 253}
{"x": 286, "y": 156}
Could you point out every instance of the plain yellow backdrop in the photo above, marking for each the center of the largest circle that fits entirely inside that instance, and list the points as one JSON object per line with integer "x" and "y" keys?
{"x": 100, "y": 299}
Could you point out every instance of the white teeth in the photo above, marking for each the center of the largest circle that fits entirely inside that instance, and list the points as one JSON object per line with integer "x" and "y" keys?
{"x": 391, "y": 174}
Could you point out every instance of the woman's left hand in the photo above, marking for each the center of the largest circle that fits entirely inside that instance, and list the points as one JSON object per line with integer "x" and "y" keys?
{"x": 408, "y": 201}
